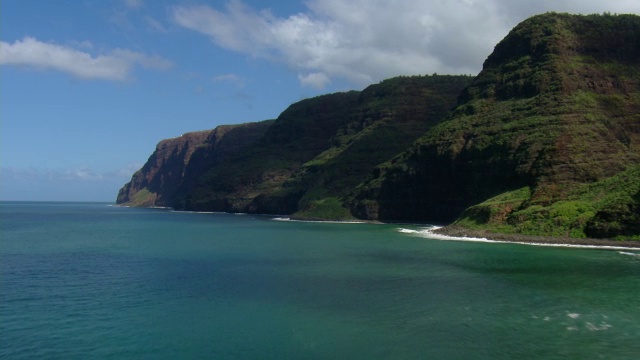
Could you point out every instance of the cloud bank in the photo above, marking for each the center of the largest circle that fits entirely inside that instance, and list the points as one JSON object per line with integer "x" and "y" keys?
{"x": 364, "y": 41}
{"x": 72, "y": 184}
{"x": 116, "y": 65}
{"x": 76, "y": 174}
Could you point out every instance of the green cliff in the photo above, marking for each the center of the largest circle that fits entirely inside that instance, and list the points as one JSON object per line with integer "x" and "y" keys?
{"x": 177, "y": 162}
{"x": 544, "y": 141}
{"x": 538, "y": 144}
{"x": 155, "y": 183}
{"x": 318, "y": 149}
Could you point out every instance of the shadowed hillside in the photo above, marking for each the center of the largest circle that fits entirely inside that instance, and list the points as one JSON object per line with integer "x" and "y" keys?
{"x": 176, "y": 163}
{"x": 555, "y": 108}
{"x": 544, "y": 141}
{"x": 320, "y": 148}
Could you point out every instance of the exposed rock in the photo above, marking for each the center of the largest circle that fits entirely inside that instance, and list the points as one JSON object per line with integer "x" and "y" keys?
{"x": 161, "y": 175}
{"x": 177, "y": 162}
{"x": 544, "y": 141}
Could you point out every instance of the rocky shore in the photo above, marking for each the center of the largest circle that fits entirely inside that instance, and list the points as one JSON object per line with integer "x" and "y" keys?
{"x": 458, "y": 231}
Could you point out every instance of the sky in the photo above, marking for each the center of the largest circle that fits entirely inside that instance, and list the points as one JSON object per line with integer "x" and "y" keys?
{"x": 89, "y": 87}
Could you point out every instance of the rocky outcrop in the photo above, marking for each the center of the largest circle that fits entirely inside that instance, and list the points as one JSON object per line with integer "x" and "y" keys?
{"x": 177, "y": 162}
{"x": 161, "y": 175}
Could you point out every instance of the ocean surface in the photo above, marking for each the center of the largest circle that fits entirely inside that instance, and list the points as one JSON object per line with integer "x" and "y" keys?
{"x": 92, "y": 281}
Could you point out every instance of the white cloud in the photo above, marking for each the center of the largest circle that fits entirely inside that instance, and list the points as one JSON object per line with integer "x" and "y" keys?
{"x": 127, "y": 170}
{"x": 134, "y": 4}
{"x": 116, "y": 65}
{"x": 155, "y": 25}
{"x": 85, "y": 44}
{"x": 223, "y": 26}
{"x": 79, "y": 184}
{"x": 230, "y": 78}
{"x": 82, "y": 174}
{"x": 314, "y": 80}
{"x": 364, "y": 41}
{"x": 73, "y": 174}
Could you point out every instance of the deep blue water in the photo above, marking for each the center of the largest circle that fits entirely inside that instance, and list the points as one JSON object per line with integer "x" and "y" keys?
{"x": 81, "y": 281}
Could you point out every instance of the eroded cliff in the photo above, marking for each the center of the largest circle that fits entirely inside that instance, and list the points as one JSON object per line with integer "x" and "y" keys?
{"x": 178, "y": 162}
{"x": 555, "y": 108}
{"x": 545, "y": 141}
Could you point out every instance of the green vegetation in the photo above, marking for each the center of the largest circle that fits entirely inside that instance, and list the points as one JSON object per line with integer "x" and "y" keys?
{"x": 607, "y": 208}
{"x": 554, "y": 110}
{"x": 319, "y": 149}
{"x": 143, "y": 197}
{"x": 544, "y": 141}
{"x": 329, "y": 208}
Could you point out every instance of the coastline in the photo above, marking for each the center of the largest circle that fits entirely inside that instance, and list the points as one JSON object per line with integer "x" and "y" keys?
{"x": 458, "y": 231}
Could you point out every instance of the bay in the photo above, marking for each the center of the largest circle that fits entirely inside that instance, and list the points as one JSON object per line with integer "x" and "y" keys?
{"x": 88, "y": 280}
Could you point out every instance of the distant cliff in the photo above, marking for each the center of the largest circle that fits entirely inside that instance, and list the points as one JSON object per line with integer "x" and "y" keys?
{"x": 177, "y": 162}
{"x": 544, "y": 141}
{"x": 303, "y": 162}
{"x": 318, "y": 149}
{"x": 161, "y": 175}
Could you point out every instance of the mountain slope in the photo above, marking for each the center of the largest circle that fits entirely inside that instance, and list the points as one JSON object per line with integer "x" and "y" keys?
{"x": 556, "y": 106}
{"x": 544, "y": 141}
{"x": 155, "y": 182}
{"x": 320, "y": 148}
{"x": 388, "y": 118}
{"x": 305, "y": 161}
{"x": 245, "y": 181}
{"x": 176, "y": 162}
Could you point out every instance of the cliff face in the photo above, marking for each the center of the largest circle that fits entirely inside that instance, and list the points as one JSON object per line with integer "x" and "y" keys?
{"x": 555, "y": 108}
{"x": 177, "y": 162}
{"x": 305, "y": 161}
{"x": 320, "y": 148}
{"x": 242, "y": 181}
{"x": 154, "y": 184}
{"x": 545, "y": 141}
{"x": 387, "y": 118}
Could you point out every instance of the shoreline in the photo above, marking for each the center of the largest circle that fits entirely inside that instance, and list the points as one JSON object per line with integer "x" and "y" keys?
{"x": 458, "y": 232}
{"x": 461, "y": 232}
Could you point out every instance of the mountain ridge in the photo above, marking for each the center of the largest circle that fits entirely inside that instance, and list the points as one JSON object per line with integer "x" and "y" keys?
{"x": 542, "y": 114}
{"x": 524, "y": 147}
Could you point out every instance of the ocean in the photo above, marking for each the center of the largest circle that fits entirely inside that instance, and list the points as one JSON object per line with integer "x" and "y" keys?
{"x": 93, "y": 281}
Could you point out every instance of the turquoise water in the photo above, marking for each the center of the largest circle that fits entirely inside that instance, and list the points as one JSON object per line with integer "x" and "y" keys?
{"x": 85, "y": 281}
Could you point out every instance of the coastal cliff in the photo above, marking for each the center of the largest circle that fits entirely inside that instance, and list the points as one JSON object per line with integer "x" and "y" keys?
{"x": 536, "y": 141}
{"x": 161, "y": 175}
{"x": 303, "y": 162}
{"x": 318, "y": 149}
{"x": 544, "y": 141}
{"x": 178, "y": 162}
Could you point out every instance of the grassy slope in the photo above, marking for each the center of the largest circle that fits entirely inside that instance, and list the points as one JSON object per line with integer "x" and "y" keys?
{"x": 606, "y": 208}
{"x": 556, "y": 108}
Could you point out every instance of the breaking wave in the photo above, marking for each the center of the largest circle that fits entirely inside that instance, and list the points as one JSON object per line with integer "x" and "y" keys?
{"x": 429, "y": 232}
{"x": 320, "y": 221}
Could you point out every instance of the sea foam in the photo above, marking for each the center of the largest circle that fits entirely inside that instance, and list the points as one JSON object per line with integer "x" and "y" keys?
{"x": 429, "y": 232}
{"x": 629, "y": 253}
{"x": 319, "y": 221}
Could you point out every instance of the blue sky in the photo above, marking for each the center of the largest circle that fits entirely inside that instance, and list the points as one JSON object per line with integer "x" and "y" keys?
{"x": 89, "y": 87}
